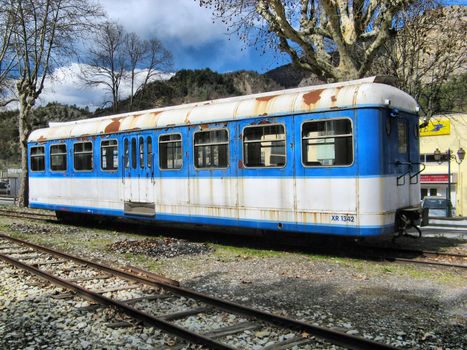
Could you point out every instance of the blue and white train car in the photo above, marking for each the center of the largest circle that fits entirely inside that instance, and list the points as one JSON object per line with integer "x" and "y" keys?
{"x": 336, "y": 159}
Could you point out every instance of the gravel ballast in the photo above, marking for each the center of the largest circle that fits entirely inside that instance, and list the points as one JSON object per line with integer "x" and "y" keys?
{"x": 421, "y": 307}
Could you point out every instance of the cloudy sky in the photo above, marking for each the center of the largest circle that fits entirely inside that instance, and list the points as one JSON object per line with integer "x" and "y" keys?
{"x": 184, "y": 27}
{"x": 189, "y": 32}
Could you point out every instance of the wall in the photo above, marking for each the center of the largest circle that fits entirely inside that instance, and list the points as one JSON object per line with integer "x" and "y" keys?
{"x": 444, "y": 132}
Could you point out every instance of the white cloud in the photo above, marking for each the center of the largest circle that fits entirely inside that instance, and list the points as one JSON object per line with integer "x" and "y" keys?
{"x": 65, "y": 86}
{"x": 181, "y": 21}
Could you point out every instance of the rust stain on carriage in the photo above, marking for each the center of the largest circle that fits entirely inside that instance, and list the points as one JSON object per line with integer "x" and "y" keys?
{"x": 312, "y": 97}
{"x": 113, "y": 126}
{"x": 265, "y": 98}
{"x": 261, "y": 105}
{"x": 334, "y": 98}
{"x": 42, "y": 139}
{"x": 187, "y": 118}
{"x": 204, "y": 126}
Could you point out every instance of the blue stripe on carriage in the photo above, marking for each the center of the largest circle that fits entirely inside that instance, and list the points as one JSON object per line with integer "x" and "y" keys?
{"x": 340, "y": 230}
{"x": 368, "y": 157}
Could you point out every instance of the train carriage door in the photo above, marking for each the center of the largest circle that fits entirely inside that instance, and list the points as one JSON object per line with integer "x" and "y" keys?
{"x": 136, "y": 189}
{"x": 146, "y": 169}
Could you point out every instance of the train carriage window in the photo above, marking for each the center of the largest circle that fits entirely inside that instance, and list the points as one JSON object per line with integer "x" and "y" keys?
{"x": 133, "y": 153}
{"x": 141, "y": 153}
{"x": 211, "y": 149}
{"x": 38, "y": 158}
{"x": 82, "y": 156}
{"x": 109, "y": 155}
{"x": 327, "y": 143}
{"x": 58, "y": 157}
{"x": 170, "y": 151}
{"x": 149, "y": 145}
{"x": 126, "y": 154}
{"x": 402, "y": 136}
{"x": 264, "y": 146}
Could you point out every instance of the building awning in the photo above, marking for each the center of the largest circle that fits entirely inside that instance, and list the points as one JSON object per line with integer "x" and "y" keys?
{"x": 437, "y": 178}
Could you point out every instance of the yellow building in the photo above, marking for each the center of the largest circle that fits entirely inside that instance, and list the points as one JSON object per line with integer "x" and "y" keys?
{"x": 447, "y": 132}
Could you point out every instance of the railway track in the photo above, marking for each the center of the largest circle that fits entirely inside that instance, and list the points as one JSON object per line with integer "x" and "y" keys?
{"x": 151, "y": 295}
{"x": 411, "y": 256}
{"x": 388, "y": 254}
{"x": 27, "y": 215}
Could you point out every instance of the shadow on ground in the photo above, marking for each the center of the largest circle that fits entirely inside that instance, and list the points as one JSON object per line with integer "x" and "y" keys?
{"x": 333, "y": 246}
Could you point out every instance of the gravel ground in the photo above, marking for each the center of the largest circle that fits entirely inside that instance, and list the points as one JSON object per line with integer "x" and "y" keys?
{"x": 160, "y": 248}
{"x": 31, "y": 318}
{"x": 419, "y": 307}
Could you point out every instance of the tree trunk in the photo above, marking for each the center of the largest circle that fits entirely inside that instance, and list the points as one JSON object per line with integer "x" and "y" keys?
{"x": 347, "y": 70}
{"x": 24, "y": 130}
{"x": 132, "y": 89}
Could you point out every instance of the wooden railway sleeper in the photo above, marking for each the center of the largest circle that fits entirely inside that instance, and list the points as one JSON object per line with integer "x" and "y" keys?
{"x": 324, "y": 334}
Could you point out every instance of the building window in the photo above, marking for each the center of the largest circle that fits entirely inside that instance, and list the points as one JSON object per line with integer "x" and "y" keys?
{"x": 170, "y": 151}
{"x": 430, "y": 158}
{"x": 264, "y": 146}
{"x": 38, "y": 158}
{"x": 133, "y": 153}
{"x": 126, "y": 154}
{"x": 402, "y": 136}
{"x": 109, "y": 155}
{"x": 424, "y": 192}
{"x": 149, "y": 145}
{"x": 211, "y": 149}
{"x": 141, "y": 153}
{"x": 58, "y": 157}
{"x": 82, "y": 156}
{"x": 327, "y": 143}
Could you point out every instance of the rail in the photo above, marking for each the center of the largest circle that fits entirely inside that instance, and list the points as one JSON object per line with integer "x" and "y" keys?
{"x": 10, "y": 247}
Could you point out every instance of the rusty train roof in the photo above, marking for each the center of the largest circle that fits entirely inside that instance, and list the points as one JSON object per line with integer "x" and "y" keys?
{"x": 363, "y": 92}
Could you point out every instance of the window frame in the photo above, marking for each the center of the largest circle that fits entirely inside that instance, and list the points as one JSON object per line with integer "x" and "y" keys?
{"x": 405, "y": 123}
{"x": 243, "y": 146}
{"x": 327, "y": 166}
{"x": 142, "y": 153}
{"x": 134, "y": 153}
{"x": 92, "y": 157}
{"x": 227, "y": 143}
{"x": 149, "y": 140}
{"x": 126, "y": 153}
{"x": 181, "y": 143}
{"x": 118, "y": 156}
{"x": 31, "y": 156}
{"x": 66, "y": 157}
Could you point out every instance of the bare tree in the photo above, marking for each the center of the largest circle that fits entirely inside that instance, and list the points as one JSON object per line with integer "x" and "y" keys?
{"x": 156, "y": 59}
{"x": 43, "y": 33}
{"x": 117, "y": 56}
{"x": 7, "y": 63}
{"x": 334, "y": 39}
{"x": 428, "y": 51}
{"x": 106, "y": 64}
{"x": 135, "y": 49}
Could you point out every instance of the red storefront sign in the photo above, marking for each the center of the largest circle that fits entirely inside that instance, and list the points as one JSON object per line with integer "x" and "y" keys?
{"x": 434, "y": 178}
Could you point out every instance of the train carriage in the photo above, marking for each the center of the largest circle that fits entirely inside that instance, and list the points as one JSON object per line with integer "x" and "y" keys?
{"x": 336, "y": 159}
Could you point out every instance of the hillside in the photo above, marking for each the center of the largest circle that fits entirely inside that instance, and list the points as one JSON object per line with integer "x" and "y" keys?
{"x": 9, "y": 149}
{"x": 184, "y": 87}
{"x": 188, "y": 86}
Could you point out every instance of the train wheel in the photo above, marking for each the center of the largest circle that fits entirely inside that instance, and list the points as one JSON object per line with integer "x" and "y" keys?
{"x": 66, "y": 217}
